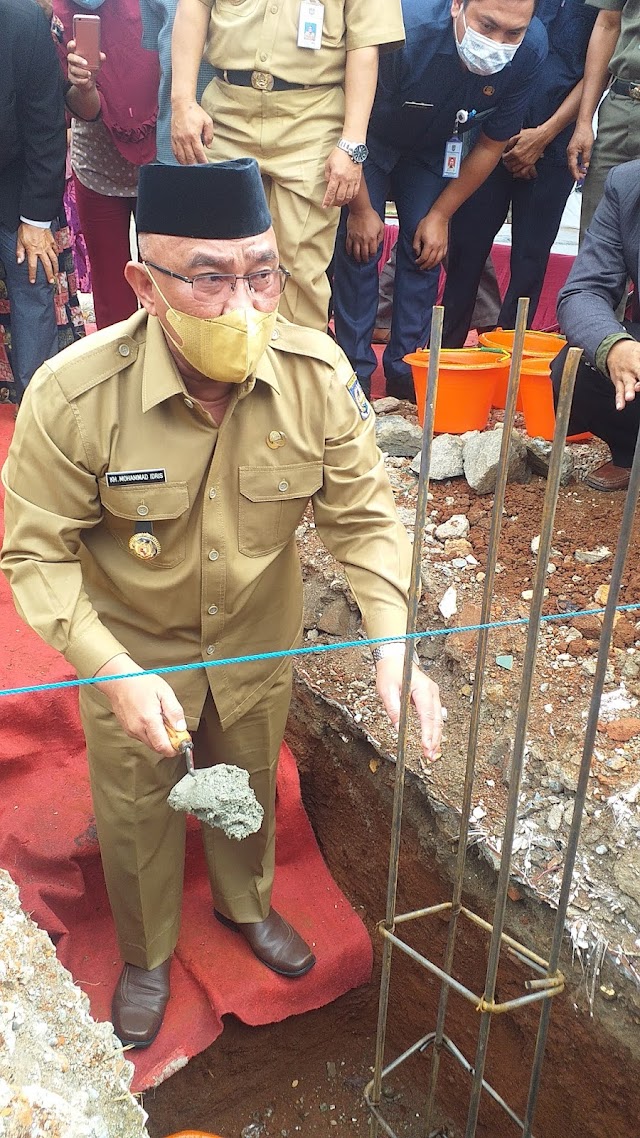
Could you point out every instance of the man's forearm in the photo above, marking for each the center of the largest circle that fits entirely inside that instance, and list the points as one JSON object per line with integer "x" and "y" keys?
{"x": 187, "y": 48}
{"x": 361, "y": 76}
{"x": 475, "y": 170}
{"x": 596, "y": 70}
{"x": 566, "y": 113}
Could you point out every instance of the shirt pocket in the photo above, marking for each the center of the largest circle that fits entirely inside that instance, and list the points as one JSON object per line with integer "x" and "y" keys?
{"x": 165, "y": 508}
{"x": 271, "y": 504}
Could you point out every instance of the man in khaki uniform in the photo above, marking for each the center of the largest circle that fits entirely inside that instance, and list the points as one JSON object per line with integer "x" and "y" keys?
{"x": 177, "y": 434}
{"x": 294, "y": 86}
{"x": 613, "y": 56}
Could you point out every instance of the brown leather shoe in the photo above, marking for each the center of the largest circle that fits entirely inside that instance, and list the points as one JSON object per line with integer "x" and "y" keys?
{"x": 608, "y": 477}
{"x": 275, "y": 943}
{"x": 139, "y": 1003}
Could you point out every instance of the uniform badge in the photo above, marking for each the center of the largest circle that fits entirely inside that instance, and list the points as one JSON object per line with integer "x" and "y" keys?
{"x": 488, "y": 90}
{"x": 359, "y": 397}
{"x": 143, "y": 543}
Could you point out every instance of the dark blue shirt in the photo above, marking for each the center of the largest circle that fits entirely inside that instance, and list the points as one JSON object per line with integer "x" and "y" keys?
{"x": 569, "y": 24}
{"x": 428, "y": 70}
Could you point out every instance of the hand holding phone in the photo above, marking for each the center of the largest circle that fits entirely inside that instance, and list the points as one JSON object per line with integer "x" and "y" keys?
{"x": 86, "y": 34}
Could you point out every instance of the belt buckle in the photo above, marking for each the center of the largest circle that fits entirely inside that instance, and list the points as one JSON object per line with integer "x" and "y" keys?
{"x": 634, "y": 91}
{"x": 263, "y": 81}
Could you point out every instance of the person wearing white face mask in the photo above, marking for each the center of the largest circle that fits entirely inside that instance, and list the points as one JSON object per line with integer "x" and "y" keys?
{"x": 464, "y": 66}
{"x": 182, "y": 447}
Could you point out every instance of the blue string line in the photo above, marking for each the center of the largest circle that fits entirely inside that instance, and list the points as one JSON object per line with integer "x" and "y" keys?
{"x": 314, "y": 649}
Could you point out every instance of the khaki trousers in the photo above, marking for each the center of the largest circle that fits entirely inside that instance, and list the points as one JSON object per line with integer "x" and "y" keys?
{"x": 290, "y": 134}
{"x": 142, "y": 840}
{"x": 618, "y": 140}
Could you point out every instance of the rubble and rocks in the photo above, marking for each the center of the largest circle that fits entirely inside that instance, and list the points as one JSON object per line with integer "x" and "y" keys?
{"x": 446, "y": 458}
{"x": 62, "y": 1075}
{"x": 396, "y": 435}
{"x": 539, "y": 456}
{"x": 482, "y": 458}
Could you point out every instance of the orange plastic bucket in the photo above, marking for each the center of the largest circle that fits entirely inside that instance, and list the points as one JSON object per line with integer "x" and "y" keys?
{"x": 537, "y": 345}
{"x": 193, "y": 1134}
{"x": 537, "y": 398}
{"x": 466, "y": 384}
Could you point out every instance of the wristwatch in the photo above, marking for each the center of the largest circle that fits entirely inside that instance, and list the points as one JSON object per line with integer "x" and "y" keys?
{"x": 392, "y": 648}
{"x": 357, "y": 151}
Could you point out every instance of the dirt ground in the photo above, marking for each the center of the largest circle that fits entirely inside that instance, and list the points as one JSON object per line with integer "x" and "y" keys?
{"x": 306, "y": 1075}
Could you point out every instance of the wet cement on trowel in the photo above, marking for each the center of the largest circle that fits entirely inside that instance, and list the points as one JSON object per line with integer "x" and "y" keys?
{"x": 220, "y": 796}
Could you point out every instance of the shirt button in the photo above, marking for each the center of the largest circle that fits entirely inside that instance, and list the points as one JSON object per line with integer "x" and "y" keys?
{"x": 263, "y": 56}
{"x": 275, "y": 335}
{"x": 188, "y": 402}
{"x": 213, "y": 555}
{"x": 274, "y": 9}
{"x": 212, "y": 493}
{"x": 210, "y": 649}
{"x": 124, "y": 349}
{"x": 212, "y": 610}
{"x": 143, "y": 511}
{"x": 283, "y": 485}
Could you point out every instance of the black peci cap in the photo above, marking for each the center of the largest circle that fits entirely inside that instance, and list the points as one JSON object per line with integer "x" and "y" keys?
{"x": 216, "y": 201}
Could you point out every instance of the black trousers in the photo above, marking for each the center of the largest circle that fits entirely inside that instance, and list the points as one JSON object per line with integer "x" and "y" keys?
{"x": 536, "y": 212}
{"x": 594, "y": 409}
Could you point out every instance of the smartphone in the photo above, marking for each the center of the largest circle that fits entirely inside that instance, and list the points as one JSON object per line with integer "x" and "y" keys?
{"x": 86, "y": 33}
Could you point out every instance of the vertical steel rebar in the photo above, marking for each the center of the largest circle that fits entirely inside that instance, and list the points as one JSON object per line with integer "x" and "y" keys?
{"x": 515, "y": 772}
{"x": 415, "y": 592}
{"x": 628, "y": 516}
{"x": 481, "y": 654}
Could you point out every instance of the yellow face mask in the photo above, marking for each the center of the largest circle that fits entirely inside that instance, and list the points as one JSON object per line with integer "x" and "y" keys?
{"x": 225, "y": 348}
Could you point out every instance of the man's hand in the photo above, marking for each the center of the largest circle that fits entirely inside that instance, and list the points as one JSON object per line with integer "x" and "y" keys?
{"x": 425, "y": 698}
{"x": 430, "y": 240}
{"x": 191, "y": 131}
{"x": 141, "y": 704}
{"x": 623, "y": 364}
{"x": 37, "y": 244}
{"x": 343, "y": 178}
{"x": 579, "y": 150}
{"x": 523, "y": 150}
{"x": 365, "y": 231}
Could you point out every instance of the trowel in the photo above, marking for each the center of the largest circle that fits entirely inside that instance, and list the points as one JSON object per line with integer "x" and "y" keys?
{"x": 218, "y": 796}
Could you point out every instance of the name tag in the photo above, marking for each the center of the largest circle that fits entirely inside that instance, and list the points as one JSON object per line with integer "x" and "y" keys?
{"x": 452, "y": 158}
{"x": 135, "y": 477}
{"x": 310, "y": 25}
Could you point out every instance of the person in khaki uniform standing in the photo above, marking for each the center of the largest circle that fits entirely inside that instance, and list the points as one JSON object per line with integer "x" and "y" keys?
{"x": 294, "y": 86}
{"x": 613, "y": 55}
{"x": 182, "y": 447}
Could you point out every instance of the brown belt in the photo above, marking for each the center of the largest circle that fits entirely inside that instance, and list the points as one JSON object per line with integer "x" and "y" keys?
{"x": 629, "y": 87}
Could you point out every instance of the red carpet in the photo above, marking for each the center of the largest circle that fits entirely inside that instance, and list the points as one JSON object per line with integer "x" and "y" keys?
{"x": 48, "y": 844}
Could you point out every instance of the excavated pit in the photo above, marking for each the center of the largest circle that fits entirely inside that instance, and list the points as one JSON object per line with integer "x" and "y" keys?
{"x": 305, "y": 1076}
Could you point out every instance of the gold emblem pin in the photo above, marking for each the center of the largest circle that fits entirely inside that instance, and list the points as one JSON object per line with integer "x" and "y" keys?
{"x": 276, "y": 439}
{"x": 145, "y": 546}
{"x": 488, "y": 90}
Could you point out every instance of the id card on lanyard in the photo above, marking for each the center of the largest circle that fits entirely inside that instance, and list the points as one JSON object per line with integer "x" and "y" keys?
{"x": 452, "y": 158}
{"x": 310, "y": 25}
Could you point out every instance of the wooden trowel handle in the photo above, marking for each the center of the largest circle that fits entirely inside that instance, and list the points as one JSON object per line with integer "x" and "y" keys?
{"x": 176, "y": 738}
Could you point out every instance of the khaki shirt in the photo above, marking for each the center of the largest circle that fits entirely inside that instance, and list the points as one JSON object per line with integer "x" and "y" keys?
{"x": 625, "y": 61}
{"x": 227, "y": 581}
{"x": 262, "y": 35}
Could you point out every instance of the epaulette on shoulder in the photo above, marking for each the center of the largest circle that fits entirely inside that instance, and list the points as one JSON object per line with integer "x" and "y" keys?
{"x": 98, "y": 357}
{"x": 305, "y": 342}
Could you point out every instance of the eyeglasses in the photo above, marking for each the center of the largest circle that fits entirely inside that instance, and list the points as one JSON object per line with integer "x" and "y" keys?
{"x": 219, "y": 287}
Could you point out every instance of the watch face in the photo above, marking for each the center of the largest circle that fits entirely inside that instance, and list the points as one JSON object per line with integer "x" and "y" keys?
{"x": 360, "y": 153}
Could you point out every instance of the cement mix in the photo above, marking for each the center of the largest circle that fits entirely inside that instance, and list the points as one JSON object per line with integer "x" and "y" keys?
{"x": 220, "y": 796}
